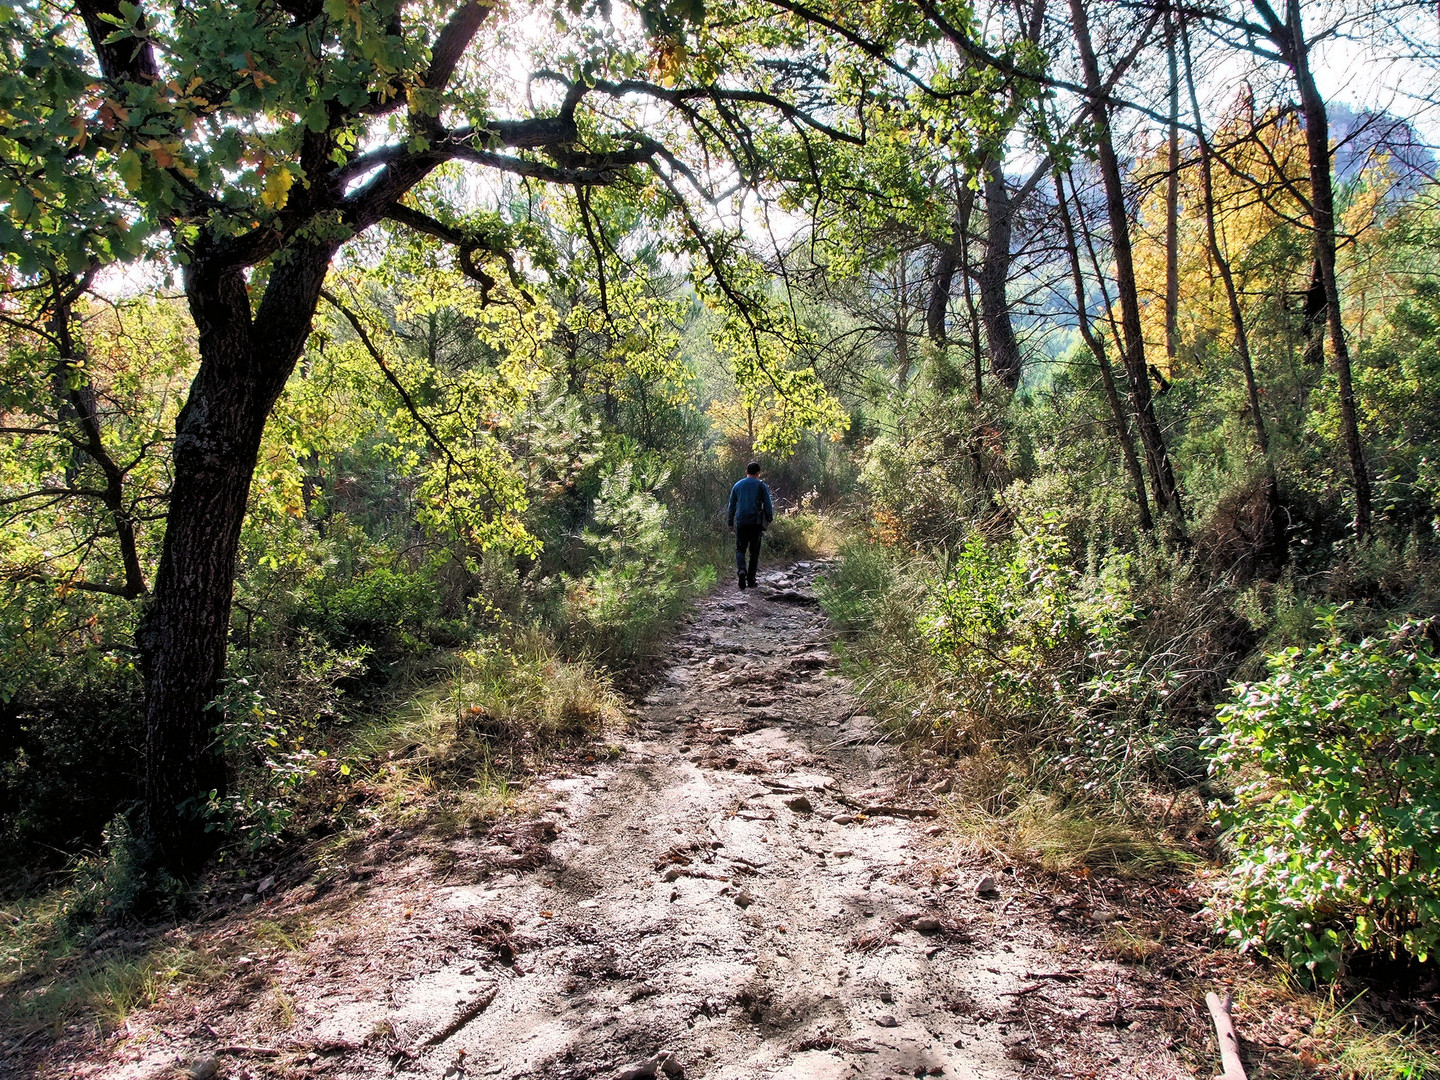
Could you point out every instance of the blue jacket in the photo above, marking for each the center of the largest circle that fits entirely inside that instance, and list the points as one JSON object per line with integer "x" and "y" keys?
{"x": 750, "y": 503}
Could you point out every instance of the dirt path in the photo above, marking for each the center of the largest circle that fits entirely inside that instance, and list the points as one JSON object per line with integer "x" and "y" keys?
{"x": 739, "y": 888}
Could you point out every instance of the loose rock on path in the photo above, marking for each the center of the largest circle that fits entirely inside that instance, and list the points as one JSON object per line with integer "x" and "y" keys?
{"x": 746, "y": 890}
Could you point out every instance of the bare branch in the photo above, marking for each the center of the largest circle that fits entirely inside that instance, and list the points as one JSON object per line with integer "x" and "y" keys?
{"x": 54, "y": 492}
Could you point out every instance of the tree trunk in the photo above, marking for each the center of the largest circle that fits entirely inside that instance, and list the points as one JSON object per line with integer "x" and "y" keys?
{"x": 1107, "y": 377}
{"x": 972, "y": 315}
{"x": 902, "y": 326}
{"x": 1157, "y": 459}
{"x": 1312, "y": 318}
{"x": 244, "y": 364}
{"x": 995, "y": 274}
{"x": 1172, "y": 208}
{"x": 1222, "y": 264}
{"x": 946, "y": 261}
{"x": 1322, "y": 210}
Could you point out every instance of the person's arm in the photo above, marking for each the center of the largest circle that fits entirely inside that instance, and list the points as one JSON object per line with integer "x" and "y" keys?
{"x": 730, "y": 516}
{"x": 769, "y": 506}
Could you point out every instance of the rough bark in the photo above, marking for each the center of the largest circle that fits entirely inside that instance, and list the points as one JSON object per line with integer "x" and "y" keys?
{"x": 244, "y": 364}
{"x": 1312, "y": 317}
{"x": 946, "y": 262}
{"x": 902, "y": 325}
{"x": 972, "y": 315}
{"x": 1164, "y": 491}
{"x": 995, "y": 274}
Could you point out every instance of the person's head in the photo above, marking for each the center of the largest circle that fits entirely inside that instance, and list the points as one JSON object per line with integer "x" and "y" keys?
{"x": 753, "y": 469}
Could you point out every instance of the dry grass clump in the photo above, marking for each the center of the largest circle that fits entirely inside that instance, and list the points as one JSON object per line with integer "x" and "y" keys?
{"x": 532, "y": 697}
{"x": 1062, "y": 839}
{"x": 803, "y": 535}
{"x": 459, "y": 755}
{"x": 993, "y": 806}
{"x": 101, "y": 988}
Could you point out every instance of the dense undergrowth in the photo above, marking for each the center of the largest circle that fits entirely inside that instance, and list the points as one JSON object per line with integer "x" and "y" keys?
{"x": 1249, "y": 702}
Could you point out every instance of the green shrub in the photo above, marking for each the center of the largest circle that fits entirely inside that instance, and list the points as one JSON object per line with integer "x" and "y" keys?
{"x": 638, "y": 582}
{"x": 1034, "y": 647}
{"x": 391, "y": 612}
{"x": 1336, "y": 823}
{"x": 278, "y": 726}
{"x": 851, "y": 590}
{"x": 69, "y": 760}
{"x": 1009, "y": 646}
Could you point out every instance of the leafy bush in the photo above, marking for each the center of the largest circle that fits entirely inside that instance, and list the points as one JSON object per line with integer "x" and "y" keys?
{"x": 390, "y": 612}
{"x": 69, "y": 760}
{"x": 1038, "y": 652}
{"x": 1336, "y": 823}
{"x": 1009, "y": 647}
{"x": 275, "y": 727}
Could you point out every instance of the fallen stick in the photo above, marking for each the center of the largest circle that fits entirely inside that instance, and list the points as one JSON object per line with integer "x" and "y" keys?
{"x": 1023, "y": 990}
{"x": 886, "y": 809}
{"x": 900, "y": 811}
{"x": 468, "y": 1013}
{"x": 255, "y": 1051}
{"x": 1226, "y": 1037}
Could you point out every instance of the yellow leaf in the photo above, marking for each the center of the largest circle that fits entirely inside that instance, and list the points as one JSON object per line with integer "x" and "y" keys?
{"x": 276, "y": 192}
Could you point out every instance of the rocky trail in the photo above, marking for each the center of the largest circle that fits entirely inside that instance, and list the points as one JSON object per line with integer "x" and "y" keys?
{"x": 754, "y": 885}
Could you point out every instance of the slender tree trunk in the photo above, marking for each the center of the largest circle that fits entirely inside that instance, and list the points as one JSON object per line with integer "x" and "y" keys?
{"x": 946, "y": 261}
{"x": 1312, "y": 316}
{"x": 1172, "y": 208}
{"x": 902, "y": 327}
{"x": 1322, "y": 203}
{"x": 244, "y": 363}
{"x": 1107, "y": 377}
{"x": 1164, "y": 491}
{"x": 1222, "y": 264}
{"x": 972, "y": 316}
{"x": 995, "y": 274}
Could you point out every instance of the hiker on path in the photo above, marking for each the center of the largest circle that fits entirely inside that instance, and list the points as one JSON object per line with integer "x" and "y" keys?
{"x": 750, "y": 515}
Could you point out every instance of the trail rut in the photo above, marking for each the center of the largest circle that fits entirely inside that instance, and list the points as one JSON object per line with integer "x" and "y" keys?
{"x": 749, "y": 888}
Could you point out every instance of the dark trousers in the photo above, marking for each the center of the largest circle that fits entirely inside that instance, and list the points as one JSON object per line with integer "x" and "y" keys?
{"x": 747, "y": 538}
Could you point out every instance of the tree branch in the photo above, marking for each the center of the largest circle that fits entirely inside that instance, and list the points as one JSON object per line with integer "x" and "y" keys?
{"x": 453, "y": 40}
{"x": 56, "y": 492}
{"x": 81, "y": 394}
{"x": 414, "y": 410}
{"x": 78, "y": 584}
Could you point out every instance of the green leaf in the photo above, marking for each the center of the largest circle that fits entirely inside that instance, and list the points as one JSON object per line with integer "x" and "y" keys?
{"x": 131, "y": 170}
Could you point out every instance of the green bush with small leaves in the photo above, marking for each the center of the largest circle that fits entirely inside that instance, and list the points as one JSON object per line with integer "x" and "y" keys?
{"x": 1336, "y": 821}
{"x": 639, "y": 580}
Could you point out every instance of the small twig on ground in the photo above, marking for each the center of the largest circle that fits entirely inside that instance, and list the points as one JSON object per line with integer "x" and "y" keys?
{"x": 1225, "y": 1035}
{"x": 1023, "y": 990}
{"x": 474, "y": 1009}
{"x": 253, "y": 1051}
